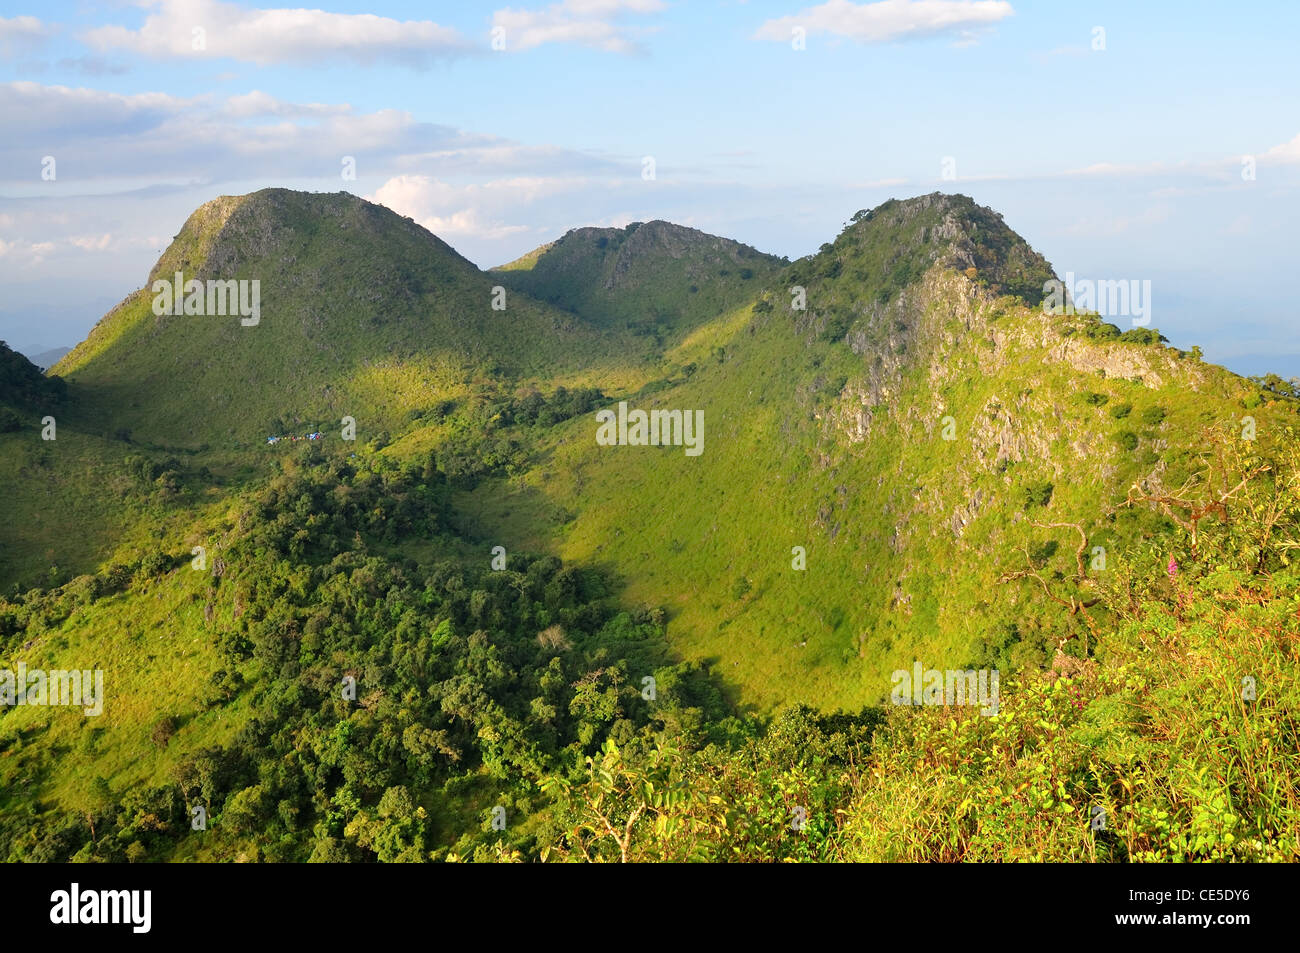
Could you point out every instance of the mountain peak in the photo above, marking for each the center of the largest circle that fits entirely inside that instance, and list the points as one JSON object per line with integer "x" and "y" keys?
{"x": 676, "y": 274}
{"x": 906, "y": 236}
{"x": 353, "y": 301}
{"x": 232, "y": 229}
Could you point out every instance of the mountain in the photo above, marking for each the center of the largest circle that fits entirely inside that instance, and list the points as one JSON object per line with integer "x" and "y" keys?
{"x": 921, "y": 411}
{"x": 362, "y": 313}
{"x": 494, "y": 605}
{"x": 23, "y": 385}
{"x": 656, "y": 278}
{"x": 47, "y": 359}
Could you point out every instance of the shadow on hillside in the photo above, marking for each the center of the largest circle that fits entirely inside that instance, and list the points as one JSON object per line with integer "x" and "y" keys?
{"x": 492, "y": 513}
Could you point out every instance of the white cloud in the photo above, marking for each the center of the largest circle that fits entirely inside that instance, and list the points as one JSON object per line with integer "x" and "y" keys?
{"x": 890, "y": 20}
{"x": 105, "y": 242}
{"x": 92, "y": 242}
{"x": 21, "y": 26}
{"x": 1225, "y": 170}
{"x": 258, "y": 103}
{"x": 213, "y": 29}
{"x": 21, "y": 33}
{"x": 30, "y": 110}
{"x": 25, "y": 252}
{"x": 98, "y": 136}
{"x": 593, "y": 23}
{"x": 468, "y": 223}
{"x": 474, "y": 210}
{"x": 1286, "y": 152}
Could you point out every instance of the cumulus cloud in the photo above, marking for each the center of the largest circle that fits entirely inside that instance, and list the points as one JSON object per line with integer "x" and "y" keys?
{"x": 476, "y": 210}
{"x": 211, "y": 28}
{"x": 594, "y": 23}
{"x": 889, "y": 20}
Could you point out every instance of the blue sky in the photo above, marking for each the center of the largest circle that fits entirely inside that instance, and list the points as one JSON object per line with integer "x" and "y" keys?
{"x": 1119, "y": 162}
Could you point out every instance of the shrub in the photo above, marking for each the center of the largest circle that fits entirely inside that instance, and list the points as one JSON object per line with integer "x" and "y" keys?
{"x": 1038, "y": 494}
{"x": 1102, "y": 331}
{"x": 1143, "y": 336}
{"x": 155, "y": 564}
{"x": 162, "y": 731}
{"x": 1153, "y": 416}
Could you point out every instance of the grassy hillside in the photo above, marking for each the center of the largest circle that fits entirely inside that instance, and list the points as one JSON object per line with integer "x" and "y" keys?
{"x": 1156, "y": 738}
{"x": 904, "y": 458}
{"x": 55, "y": 524}
{"x": 825, "y": 429}
{"x": 363, "y": 313}
{"x": 655, "y": 279}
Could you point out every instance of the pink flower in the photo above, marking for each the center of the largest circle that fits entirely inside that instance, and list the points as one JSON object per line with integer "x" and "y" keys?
{"x": 1173, "y": 568}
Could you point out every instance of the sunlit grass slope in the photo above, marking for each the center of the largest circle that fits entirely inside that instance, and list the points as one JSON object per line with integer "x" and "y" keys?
{"x": 825, "y": 429}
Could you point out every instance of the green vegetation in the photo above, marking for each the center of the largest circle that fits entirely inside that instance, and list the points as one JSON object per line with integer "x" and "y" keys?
{"x": 518, "y": 689}
{"x": 655, "y": 280}
{"x": 363, "y": 314}
{"x": 23, "y": 385}
{"x": 472, "y": 685}
{"x": 1176, "y": 720}
{"x": 678, "y": 657}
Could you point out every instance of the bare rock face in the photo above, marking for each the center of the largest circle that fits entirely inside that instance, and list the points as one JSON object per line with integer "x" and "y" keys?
{"x": 1125, "y": 363}
{"x": 190, "y": 249}
{"x": 963, "y": 515}
{"x": 922, "y": 355}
